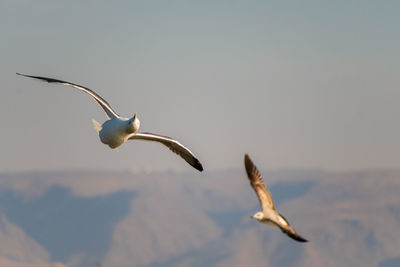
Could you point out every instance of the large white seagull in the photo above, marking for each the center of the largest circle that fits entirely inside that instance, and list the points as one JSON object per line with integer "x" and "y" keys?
{"x": 117, "y": 130}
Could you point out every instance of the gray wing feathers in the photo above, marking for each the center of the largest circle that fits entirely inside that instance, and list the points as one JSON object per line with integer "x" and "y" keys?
{"x": 257, "y": 183}
{"x": 103, "y": 103}
{"x": 173, "y": 145}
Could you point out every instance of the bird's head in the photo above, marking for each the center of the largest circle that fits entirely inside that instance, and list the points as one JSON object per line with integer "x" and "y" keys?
{"x": 133, "y": 124}
{"x": 258, "y": 216}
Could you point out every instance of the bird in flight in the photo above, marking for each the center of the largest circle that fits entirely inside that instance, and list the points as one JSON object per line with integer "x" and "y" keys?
{"x": 117, "y": 129}
{"x": 268, "y": 215}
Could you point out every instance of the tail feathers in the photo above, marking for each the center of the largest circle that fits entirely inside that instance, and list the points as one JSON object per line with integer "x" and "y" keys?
{"x": 97, "y": 125}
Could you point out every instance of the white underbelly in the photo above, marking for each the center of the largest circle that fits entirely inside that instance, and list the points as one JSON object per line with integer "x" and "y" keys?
{"x": 268, "y": 222}
{"x": 112, "y": 139}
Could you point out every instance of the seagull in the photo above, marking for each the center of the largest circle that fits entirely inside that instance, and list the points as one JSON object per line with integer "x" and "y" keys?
{"x": 268, "y": 215}
{"x": 117, "y": 130}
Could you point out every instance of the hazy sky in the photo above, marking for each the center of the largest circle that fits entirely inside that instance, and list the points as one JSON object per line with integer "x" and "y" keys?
{"x": 310, "y": 84}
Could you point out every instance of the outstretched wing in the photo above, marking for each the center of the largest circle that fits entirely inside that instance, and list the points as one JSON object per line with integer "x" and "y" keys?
{"x": 287, "y": 229}
{"x": 103, "y": 103}
{"x": 173, "y": 145}
{"x": 257, "y": 183}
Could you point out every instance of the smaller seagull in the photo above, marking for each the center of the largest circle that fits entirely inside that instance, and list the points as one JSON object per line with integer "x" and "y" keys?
{"x": 268, "y": 215}
{"x": 117, "y": 130}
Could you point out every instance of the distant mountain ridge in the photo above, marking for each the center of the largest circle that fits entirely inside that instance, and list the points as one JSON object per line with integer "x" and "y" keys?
{"x": 81, "y": 218}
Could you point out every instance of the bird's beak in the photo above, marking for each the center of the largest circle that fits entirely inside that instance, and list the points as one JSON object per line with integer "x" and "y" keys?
{"x": 134, "y": 116}
{"x": 251, "y": 217}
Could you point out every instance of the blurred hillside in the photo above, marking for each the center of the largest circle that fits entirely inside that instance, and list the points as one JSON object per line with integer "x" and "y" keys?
{"x": 83, "y": 218}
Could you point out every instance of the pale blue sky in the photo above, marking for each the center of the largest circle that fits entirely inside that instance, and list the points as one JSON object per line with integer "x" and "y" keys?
{"x": 310, "y": 84}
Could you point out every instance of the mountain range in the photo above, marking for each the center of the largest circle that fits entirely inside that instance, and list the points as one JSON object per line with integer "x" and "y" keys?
{"x": 105, "y": 218}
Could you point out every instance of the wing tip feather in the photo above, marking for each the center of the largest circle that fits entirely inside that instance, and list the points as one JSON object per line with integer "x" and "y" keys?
{"x": 197, "y": 165}
{"x": 297, "y": 237}
{"x": 249, "y": 165}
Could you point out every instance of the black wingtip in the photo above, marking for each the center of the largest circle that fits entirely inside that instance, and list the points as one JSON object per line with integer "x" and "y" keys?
{"x": 197, "y": 165}
{"x": 49, "y": 80}
{"x": 247, "y": 159}
{"x": 248, "y": 165}
{"x": 297, "y": 237}
{"x": 30, "y": 76}
{"x": 291, "y": 232}
{"x": 300, "y": 239}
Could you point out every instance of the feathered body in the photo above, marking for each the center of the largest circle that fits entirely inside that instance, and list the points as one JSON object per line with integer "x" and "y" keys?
{"x": 116, "y": 131}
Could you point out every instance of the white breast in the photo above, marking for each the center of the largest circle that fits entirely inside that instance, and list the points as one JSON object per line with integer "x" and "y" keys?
{"x": 113, "y": 133}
